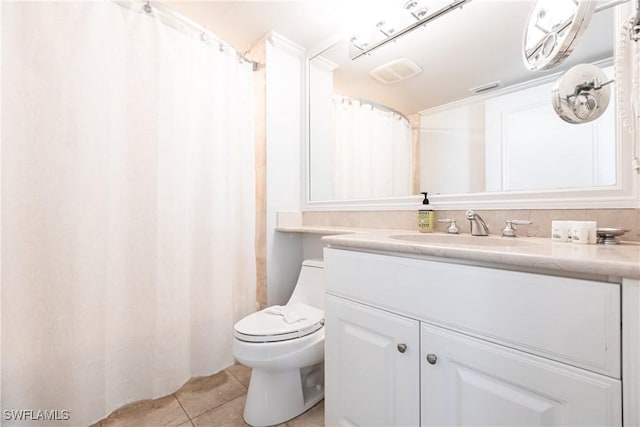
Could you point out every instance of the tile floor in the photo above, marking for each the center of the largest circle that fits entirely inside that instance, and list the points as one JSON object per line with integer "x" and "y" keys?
{"x": 217, "y": 400}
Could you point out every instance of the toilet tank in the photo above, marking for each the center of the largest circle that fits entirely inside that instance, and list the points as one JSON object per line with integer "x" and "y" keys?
{"x": 310, "y": 286}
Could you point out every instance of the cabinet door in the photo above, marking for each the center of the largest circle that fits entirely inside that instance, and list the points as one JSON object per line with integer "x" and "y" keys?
{"x": 472, "y": 382}
{"x": 372, "y": 366}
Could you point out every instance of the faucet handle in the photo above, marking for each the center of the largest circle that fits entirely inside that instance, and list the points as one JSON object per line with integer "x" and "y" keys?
{"x": 453, "y": 228}
{"x": 509, "y": 230}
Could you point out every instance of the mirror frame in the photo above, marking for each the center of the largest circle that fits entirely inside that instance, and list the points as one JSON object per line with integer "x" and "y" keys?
{"x": 625, "y": 194}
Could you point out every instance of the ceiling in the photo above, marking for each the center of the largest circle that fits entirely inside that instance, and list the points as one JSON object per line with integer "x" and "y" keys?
{"x": 472, "y": 46}
{"x": 475, "y": 46}
{"x": 242, "y": 23}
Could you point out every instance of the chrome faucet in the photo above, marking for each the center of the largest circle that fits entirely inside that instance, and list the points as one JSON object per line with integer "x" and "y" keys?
{"x": 477, "y": 224}
{"x": 509, "y": 230}
{"x": 453, "y": 228}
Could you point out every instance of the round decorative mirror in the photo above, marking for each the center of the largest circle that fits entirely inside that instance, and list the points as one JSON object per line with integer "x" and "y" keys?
{"x": 581, "y": 94}
{"x": 553, "y": 29}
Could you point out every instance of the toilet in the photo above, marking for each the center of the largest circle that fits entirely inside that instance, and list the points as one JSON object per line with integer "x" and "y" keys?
{"x": 285, "y": 347}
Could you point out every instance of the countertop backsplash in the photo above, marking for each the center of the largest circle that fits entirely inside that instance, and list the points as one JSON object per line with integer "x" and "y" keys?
{"x": 495, "y": 219}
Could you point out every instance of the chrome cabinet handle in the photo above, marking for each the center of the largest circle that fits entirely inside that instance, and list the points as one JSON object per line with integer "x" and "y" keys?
{"x": 402, "y": 348}
{"x": 432, "y": 358}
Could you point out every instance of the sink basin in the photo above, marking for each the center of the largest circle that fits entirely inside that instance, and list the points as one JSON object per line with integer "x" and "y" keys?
{"x": 465, "y": 240}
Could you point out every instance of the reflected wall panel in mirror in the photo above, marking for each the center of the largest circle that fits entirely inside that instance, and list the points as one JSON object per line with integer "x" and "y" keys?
{"x": 513, "y": 141}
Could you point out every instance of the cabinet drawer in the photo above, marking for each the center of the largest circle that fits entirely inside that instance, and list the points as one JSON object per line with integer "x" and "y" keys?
{"x": 573, "y": 321}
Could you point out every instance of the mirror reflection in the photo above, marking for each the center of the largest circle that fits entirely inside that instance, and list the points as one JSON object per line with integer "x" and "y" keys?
{"x": 469, "y": 118}
{"x": 553, "y": 29}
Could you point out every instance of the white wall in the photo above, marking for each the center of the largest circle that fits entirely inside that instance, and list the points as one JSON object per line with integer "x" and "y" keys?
{"x": 284, "y": 133}
{"x": 312, "y": 246}
{"x": 321, "y": 128}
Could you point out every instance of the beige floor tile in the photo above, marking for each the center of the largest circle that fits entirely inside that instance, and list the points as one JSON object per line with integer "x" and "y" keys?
{"x": 312, "y": 418}
{"x": 202, "y": 394}
{"x": 241, "y": 372}
{"x": 224, "y": 395}
{"x": 165, "y": 411}
{"x": 229, "y": 414}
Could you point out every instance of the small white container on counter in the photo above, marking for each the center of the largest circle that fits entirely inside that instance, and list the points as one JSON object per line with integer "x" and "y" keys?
{"x": 580, "y": 232}
{"x": 561, "y": 231}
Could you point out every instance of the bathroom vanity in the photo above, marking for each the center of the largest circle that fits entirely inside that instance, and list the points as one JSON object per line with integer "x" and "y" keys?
{"x": 438, "y": 331}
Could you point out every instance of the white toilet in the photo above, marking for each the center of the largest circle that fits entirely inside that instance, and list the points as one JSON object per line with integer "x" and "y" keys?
{"x": 285, "y": 347}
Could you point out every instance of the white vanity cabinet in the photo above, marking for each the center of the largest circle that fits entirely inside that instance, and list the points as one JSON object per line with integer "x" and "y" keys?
{"x": 484, "y": 346}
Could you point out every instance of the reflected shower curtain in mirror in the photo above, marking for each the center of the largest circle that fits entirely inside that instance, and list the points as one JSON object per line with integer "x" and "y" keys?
{"x": 127, "y": 191}
{"x": 372, "y": 152}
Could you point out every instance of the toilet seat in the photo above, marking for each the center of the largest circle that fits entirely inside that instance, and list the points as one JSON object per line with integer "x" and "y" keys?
{"x": 265, "y": 326}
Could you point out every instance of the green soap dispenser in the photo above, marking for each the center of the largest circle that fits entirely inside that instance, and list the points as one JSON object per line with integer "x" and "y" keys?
{"x": 426, "y": 217}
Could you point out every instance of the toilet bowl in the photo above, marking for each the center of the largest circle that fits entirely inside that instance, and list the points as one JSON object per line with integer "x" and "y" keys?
{"x": 285, "y": 347}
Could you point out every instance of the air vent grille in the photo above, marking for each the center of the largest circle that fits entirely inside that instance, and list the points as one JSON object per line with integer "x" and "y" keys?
{"x": 487, "y": 87}
{"x": 395, "y": 71}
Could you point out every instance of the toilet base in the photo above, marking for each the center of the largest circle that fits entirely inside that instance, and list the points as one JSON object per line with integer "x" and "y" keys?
{"x": 277, "y": 396}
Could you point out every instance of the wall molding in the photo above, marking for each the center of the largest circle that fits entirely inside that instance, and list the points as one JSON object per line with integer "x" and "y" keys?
{"x": 283, "y": 43}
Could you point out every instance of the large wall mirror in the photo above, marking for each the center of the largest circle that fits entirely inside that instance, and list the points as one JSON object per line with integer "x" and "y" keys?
{"x": 471, "y": 125}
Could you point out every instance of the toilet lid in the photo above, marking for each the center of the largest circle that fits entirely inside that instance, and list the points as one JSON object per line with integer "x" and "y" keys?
{"x": 280, "y": 323}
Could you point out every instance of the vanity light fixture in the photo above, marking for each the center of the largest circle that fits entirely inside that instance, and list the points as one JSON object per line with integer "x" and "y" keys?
{"x": 386, "y": 29}
{"x": 359, "y": 43}
{"x": 418, "y": 12}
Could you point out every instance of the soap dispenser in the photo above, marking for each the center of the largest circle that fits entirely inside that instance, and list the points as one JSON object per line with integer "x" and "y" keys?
{"x": 426, "y": 217}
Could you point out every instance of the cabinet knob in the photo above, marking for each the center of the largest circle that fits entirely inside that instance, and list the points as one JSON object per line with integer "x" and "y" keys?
{"x": 402, "y": 348}
{"x": 432, "y": 358}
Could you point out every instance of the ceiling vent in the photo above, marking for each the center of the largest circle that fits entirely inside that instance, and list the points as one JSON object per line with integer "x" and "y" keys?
{"x": 395, "y": 71}
{"x": 487, "y": 87}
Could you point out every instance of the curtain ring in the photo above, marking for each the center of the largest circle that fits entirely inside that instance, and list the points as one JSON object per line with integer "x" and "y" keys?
{"x": 147, "y": 8}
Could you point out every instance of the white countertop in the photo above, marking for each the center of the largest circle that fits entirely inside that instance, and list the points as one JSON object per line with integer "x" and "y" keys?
{"x": 622, "y": 260}
{"x": 320, "y": 229}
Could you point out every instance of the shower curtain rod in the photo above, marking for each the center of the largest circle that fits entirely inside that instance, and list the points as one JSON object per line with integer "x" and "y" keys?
{"x": 373, "y": 104}
{"x": 205, "y": 33}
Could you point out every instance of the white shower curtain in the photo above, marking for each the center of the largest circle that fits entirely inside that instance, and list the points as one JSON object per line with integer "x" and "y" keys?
{"x": 127, "y": 166}
{"x": 372, "y": 152}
